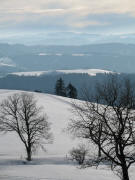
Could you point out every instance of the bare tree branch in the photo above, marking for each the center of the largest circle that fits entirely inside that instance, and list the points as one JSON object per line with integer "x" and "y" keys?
{"x": 20, "y": 113}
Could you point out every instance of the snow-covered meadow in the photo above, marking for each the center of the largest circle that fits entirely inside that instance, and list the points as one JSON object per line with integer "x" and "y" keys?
{"x": 90, "y": 72}
{"x": 52, "y": 164}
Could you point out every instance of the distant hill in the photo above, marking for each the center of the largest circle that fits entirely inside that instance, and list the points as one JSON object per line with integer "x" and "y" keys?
{"x": 90, "y": 72}
{"x": 112, "y": 57}
{"x": 45, "y": 81}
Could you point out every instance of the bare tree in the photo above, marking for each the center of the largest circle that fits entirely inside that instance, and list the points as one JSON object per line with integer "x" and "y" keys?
{"x": 79, "y": 153}
{"x": 109, "y": 122}
{"x": 20, "y": 113}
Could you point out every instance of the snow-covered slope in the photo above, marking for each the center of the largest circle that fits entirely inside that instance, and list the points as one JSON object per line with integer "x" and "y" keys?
{"x": 57, "y": 110}
{"x": 6, "y": 61}
{"x": 91, "y": 72}
{"x": 50, "y": 165}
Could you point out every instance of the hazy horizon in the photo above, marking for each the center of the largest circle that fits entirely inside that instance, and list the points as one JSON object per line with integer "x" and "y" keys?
{"x": 62, "y": 22}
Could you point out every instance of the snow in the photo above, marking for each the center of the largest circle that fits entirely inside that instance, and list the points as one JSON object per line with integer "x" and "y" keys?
{"x": 9, "y": 65}
{"x": 78, "y": 54}
{"x": 32, "y": 73}
{"x": 42, "y": 54}
{"x": 90, "y": 72}
{"x": 53, "y": 164}
{"x": 46, "y": 54}
{"x": 81, "y": 55}
{"x": 6, "y": 61}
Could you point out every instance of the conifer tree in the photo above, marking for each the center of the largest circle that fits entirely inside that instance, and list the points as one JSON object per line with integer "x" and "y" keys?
{"x": 71, "y": 91}
{"x": 60, "y": 88}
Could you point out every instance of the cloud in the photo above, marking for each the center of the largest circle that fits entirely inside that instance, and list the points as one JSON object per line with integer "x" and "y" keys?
{"x": 85, "y": 6}
{"x": 71, "y": 13}
{"x": 86, "y": 24}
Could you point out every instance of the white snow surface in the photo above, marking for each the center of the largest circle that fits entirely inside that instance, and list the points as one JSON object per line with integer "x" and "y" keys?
{"x": 6, "y": 61}
{"x": 32, "y": 73}
{"x": 8, "y": 65}
{"x": 90, "y": 72}
{"x": 53, "y": 164}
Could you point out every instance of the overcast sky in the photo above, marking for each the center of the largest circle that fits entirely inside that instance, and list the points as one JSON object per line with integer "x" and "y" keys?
{"x": 109, "y": 16}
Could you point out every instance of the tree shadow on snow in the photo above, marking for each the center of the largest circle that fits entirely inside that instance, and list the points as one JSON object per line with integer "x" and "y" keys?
{"x": 37, "y": 161}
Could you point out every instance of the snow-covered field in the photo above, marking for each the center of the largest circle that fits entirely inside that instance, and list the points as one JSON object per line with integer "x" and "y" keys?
{"x": 5, "y": 61}
{"x": 90, "y": 72}
{"x": 53, "y": 164}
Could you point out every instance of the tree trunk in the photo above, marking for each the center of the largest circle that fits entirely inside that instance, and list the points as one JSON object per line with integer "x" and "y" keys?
{"x": 99, "y": 151}
{"x": 28, "y": 154}
{"x": 125, "y": 173}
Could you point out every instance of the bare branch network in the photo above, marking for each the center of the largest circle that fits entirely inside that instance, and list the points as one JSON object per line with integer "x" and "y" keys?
{"x": 109, "y": 122}
{"x": 20, "y": 113}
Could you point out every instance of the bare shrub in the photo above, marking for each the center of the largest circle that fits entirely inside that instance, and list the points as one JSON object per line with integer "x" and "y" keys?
{"x": 79, "y": 154}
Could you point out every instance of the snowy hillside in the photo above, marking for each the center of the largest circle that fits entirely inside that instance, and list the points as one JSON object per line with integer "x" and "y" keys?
{"x": 5, "y": 61}
{"x": 50, "y": 165}
{"x": 91, "y": 72}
